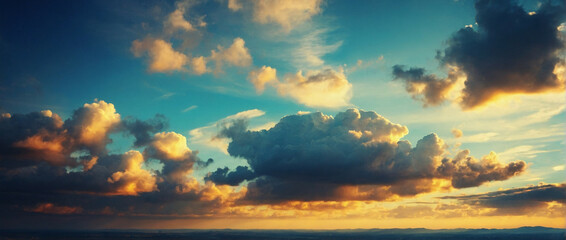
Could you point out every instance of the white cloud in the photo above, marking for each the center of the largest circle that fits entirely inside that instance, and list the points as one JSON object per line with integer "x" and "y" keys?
{"x": 521, "y": 152}
{"x": 326, "y": 88}
{"x": 312, "y": 47}
{"x": 198, "y": 65}
{"x": 237, "y": 54}
{"x": 162, "y": 56}
{"x": 262, "y": 76}
{"x": 207, "y": 135}
{"x": 287, "y": 13}
{"x": 189, "y": 108}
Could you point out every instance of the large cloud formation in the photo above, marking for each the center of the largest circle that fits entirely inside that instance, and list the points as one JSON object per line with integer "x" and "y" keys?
{"x": 51, "y": 166}
{"x": 356, "y": 155}
{"x": 511, "y": 52}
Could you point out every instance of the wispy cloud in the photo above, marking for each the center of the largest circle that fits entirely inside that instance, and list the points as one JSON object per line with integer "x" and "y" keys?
{"x": 189, "y": 108}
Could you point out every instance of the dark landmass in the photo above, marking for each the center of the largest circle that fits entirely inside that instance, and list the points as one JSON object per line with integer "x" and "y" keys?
{"x": 539, "y": 233}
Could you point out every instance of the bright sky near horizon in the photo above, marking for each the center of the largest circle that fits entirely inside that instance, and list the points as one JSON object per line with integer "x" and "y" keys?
{"x": 282, "y": 114}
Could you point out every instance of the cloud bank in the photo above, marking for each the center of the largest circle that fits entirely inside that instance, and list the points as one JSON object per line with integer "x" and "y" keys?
{"x": 511, "y": 52}
{"x": 356, "y": 155}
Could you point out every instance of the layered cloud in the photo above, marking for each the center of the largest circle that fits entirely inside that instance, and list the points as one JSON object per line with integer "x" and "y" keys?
{"x": 530, "y": 200}
{"x": 511, "y": 52}
{"x": 323, "y": 88}
{"x": 356, "y": 155}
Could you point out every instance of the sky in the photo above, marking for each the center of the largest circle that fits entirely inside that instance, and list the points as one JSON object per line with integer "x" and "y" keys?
{"x": 282, "y": 114}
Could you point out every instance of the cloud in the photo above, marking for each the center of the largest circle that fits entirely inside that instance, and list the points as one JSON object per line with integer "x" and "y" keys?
{"x": 207, "y": 135}
{"x": 356, "y": 155}
{"x": 170, "y": 146}
{"x": 457, "y": 133}
{"x": 50, "y": 208}
{"x": 43, "y": 136}
{"x": 234, "y": 5}
{"x": 192, "y": 107}
{"x": 325, "y": 88}
{"x": 530, "y": 200}
{"x": 198, "y": 65}
{"x": 312, "y": 47}
{"x": 262, "y": 76}
{"x": 520, "y": 55}
{"x": 141, "y": 130}
{"x": 286, "y": 13}
{"x": 222, "y": 176}
{"x": 162, "y": 56}
{"x": 429, "y": 89}
{"x": 176, "y": 21}
{"x": 237, "y": 54}
{"x": 91, "y": 125}
{"x": 56, "y": 167}
{"x": 133, "y": 179}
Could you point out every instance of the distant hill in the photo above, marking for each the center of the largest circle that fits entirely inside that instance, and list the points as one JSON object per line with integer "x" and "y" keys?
{"x": 539, "y": 233}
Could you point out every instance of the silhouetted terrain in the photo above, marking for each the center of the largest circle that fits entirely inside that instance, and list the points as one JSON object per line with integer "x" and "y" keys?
{"x": 539, "y": 233}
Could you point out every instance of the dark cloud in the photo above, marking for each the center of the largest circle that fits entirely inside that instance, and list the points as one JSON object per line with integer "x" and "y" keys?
{"x": 519, "y": 201}
{"x": 511, "y": 51}
{"x": 355, "y": 155}
{"x": 144, "y": 130}
{"x": 222, "y": 176}
{"x": 429, "y": 89}
{"x": 467, "y": 171}
{"x": 55, "y": 167}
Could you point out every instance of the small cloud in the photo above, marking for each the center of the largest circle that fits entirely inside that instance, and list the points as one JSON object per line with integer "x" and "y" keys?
{"x": 234, "y": 5}
{"x": 162, "y": 56}
{"x": 286, "y": 13}
{"x": 189, "y": 108}
{"x": 558, "y": 168}
{"x": 457, "y": 133}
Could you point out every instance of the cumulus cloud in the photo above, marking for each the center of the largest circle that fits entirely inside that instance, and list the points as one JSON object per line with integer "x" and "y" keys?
{"x": 286, "y": 13}
{"x": 354, "y": 156}
{"x": 162, "y": 56}
{"x": 262, "y": 76}
{"x": 543, "y": 198}
{"x": 43, "y": 136}
{"x": 133, "y": 179}
{"x": 237, "y": 54}
{"x": 234, "y": 5}
{"x": 91, "y": 125}
{"x": 198, "y": 65}
{"x": 176, "y": 21}
{"x": 511, "y": 52}
{"x": 326, "y": 88}
{"x": 51, "y": 166}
